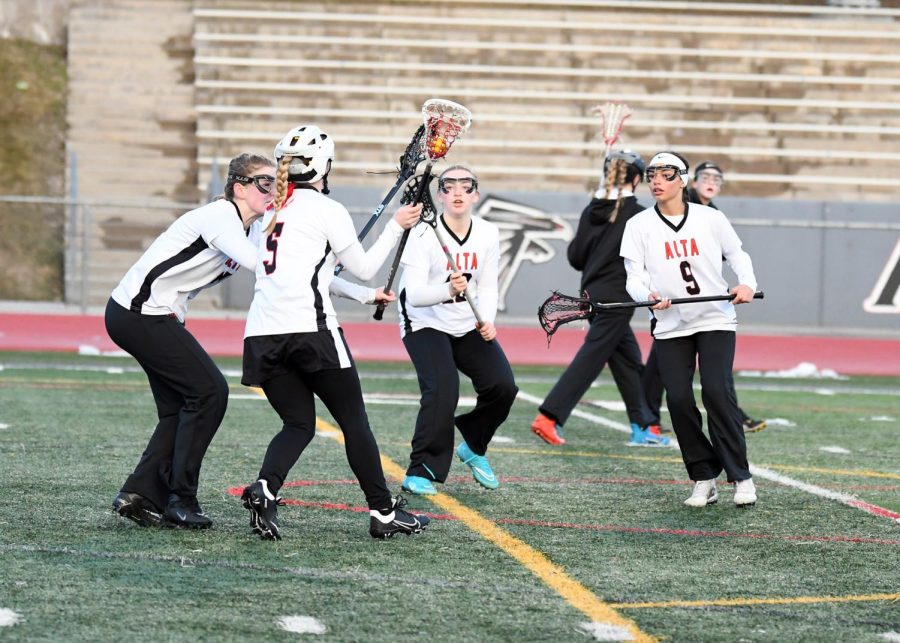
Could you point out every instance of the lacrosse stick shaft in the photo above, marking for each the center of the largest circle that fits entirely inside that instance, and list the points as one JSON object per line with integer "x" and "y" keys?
{"x": 683, "y": 300}
{"x": 395, "y": 264}
{"x": 408, "y": 162}
{"x": 452, "y": 262}
{"x": 377, "y": 213}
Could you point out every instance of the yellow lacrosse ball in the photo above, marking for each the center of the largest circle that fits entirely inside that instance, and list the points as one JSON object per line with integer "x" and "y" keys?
{"x": 439, "y": 146}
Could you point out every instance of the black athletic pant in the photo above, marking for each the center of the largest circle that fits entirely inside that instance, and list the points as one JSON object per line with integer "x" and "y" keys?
{"x": 725, "y": 449}
{"x": 190, "y": 394}
{"x": 291, "y": 395}
{"x": 609, "y": 340}
{"x": 653, "y": 388}
{"x": 437, "y": 356}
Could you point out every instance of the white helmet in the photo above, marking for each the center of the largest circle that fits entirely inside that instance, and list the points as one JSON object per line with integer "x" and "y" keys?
{"x": 312, "y": 149}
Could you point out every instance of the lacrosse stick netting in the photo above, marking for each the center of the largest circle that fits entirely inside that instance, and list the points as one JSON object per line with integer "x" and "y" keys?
{"x": 444, "y": 121}
{"x": 612, "y": 117}
{"x": 561, "y": 309}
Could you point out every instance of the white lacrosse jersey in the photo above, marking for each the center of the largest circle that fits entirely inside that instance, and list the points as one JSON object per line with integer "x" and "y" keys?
{"x": 200, "y": 249}
{"x": 425, "y": 267}
{"x": 296, "y": 264}
{"x": 683, "y": 258}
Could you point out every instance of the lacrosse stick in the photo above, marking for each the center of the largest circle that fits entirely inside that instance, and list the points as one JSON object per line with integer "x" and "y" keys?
{"x": 561, "y": 309}
{"x": 408, "y": 163}
{"x": 445, "y": 121}
{"x": 612, "y": 116}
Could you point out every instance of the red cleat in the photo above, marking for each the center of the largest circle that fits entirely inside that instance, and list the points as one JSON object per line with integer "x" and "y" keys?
{"x": 547, "y": 430}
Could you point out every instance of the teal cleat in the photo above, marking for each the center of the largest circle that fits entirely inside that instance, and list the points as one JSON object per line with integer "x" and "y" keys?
{"x": 481, "y": 468}
{"x": 418, "y": 485}
{"x": 644, "y": 437}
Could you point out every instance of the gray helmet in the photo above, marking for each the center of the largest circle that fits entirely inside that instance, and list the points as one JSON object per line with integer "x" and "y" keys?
{"x": 632, "y": 159}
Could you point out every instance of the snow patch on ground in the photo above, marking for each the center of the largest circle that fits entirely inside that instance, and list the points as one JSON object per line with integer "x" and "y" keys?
{"x": 801, "y": 370}
{"x": 301, "y": 625}
{"x": 8, "y": 618}
{"x": 607, "y": 632}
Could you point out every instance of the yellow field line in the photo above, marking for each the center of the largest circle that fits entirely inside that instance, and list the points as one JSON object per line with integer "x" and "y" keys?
{"x": 554, "y": 576}
{"x": 740, "y": 602}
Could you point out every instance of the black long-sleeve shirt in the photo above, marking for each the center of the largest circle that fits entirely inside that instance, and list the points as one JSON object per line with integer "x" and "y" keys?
{"x": 595, "y": 249}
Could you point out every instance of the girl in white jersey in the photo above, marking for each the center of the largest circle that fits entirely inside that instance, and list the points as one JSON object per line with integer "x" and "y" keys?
{"x": 675, "y": 249}
{"x": 145, "y": 317}
{"x": 441, "y": 335}
{"x": 293, "y": 345}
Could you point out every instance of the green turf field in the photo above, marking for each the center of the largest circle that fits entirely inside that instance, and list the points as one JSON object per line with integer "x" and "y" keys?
{"x": 588, "y": 541}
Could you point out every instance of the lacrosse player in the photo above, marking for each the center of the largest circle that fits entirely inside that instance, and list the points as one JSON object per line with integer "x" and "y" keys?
{"x": 595, "y": 252}
{"x": 145, "y": 317}
{"x": 294, "y": 347}
{"x": 441, "y": 335}
{"x": 675, "y": 249}
{"x": 708, "y": 180}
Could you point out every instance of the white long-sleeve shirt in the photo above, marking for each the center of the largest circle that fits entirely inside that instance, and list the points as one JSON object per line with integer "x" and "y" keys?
{"x": 682, "y": 257}
{"x": 200, "y": 249}
{"x": 425, "y": 300}
{"x": 295, "y": 270}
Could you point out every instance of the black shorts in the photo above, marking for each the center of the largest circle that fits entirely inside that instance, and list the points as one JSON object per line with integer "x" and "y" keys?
{"x": 266, "y": 356}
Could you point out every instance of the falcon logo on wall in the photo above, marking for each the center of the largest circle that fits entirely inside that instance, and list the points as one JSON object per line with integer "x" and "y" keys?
{"x": 525, "y": 235}
{"x": 885, "y": 296}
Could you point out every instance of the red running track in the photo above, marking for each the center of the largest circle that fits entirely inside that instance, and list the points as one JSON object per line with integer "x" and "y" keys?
{"x": 381, "y": 341}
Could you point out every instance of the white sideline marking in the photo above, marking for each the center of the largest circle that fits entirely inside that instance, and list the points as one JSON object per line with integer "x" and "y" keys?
{"x": 502, "y": 439}
{"x": 3, "y": 426}
{"x": 834, "y": 449}
{"x": 780, "y": 422}
{"x": 894, "y": 637}
{"x": 607, "y": 632}
{"x": 301, "y": 625}
{"x": 8, "y": 618}
{"x": 758, "y": 472}
{"x": 881, "y": 418}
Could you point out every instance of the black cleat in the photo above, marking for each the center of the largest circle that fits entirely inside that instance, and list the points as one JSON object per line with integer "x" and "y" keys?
{"x": 185, "y": 512}
{"x": 753, "y": 426}
{"x": 263, "y": 508}
{"x": 396, "y": 521}
{"x": 137, "y": 508}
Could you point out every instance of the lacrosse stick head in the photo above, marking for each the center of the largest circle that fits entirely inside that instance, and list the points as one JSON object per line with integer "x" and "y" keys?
{"x": 561, "y": 309}
{"x": 445, "y": 121}
{"x": 412, "y": 155}
{"x": 612, "y": 116}
{"x": 411, "y": 191}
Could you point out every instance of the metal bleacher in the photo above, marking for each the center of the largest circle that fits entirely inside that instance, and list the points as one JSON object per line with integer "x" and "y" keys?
{"x": 791, "y": 99}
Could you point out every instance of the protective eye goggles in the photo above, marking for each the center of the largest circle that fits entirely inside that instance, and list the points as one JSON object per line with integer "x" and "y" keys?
{"x": 710, "y": 177}
{"x": 468, "y": 184}
{"x": 263, "y": 182}
{"x": 668, "y": 172}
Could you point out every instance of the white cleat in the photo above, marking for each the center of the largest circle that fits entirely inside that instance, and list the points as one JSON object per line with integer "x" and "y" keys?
{"x": 704, "y": 493}
{"x": 745, "y": 493}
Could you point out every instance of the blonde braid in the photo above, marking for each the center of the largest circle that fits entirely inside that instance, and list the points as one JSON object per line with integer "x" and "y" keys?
{"x": 281, "y": 188}
{"x": 619, "y": 170}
